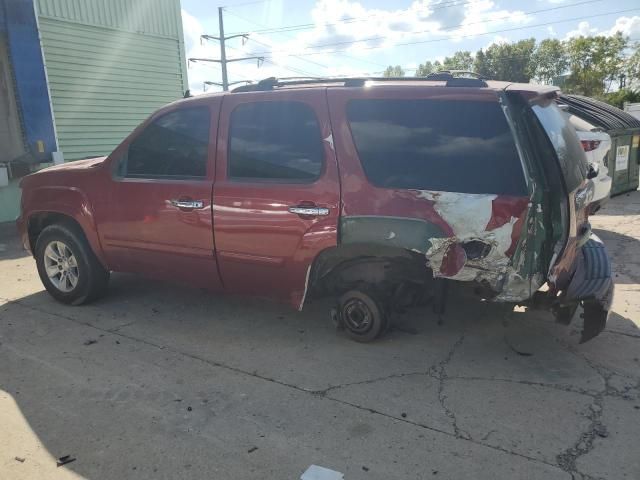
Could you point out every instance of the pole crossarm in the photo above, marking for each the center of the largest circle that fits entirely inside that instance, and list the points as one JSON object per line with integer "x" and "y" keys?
{"x": 223, "y": 60}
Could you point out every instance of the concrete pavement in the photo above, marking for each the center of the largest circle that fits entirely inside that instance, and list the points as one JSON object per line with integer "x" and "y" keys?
{"x": 161, "y": 381}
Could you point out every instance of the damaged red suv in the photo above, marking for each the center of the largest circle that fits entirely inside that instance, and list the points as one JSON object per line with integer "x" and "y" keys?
{"x": 377, "y": 192}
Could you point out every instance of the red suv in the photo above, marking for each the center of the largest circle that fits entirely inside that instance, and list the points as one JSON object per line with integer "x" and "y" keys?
{"x": 378, "y": 192}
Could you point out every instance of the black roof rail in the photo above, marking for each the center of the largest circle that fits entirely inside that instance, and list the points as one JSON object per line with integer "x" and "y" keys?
{"x": 458, "y": 78}
{"x": 273, "y": 82}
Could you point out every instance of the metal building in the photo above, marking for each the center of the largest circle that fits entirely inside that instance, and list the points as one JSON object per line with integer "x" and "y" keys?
{"x": 76, "y": 76}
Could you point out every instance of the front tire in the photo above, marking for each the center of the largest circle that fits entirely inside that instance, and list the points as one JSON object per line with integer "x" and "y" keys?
{"x": 67, "y": 266}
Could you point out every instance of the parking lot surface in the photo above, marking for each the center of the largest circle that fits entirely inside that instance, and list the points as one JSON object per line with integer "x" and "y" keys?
{"x": 160, "y": 381}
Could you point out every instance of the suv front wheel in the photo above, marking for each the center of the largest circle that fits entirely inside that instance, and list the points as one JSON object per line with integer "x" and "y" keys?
{"x": 67, "y": 266}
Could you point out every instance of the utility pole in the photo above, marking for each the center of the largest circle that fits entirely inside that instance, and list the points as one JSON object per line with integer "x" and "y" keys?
{"x": 223, "y": 61}
{"x": 223, "y": 53}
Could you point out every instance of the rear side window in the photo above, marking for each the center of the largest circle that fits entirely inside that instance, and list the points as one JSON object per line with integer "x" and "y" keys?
{"x": 444, "y": 145}
{"x": 564, "y": 139}
{"x": 173, "y": 145}
{"x": 273, "y": 141}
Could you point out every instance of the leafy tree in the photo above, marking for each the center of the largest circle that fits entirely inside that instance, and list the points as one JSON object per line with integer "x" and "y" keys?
{"x": 549, "y": 61}
{"x": 595, "y": 62}
{"x": 461, "y": 60}
{"x": 618, "y": 99}
{"x": 506, "y": 61}
{"x": 632, "y": 66}
{"x": 428, "y": 67}
{"x": 392, "y": 71}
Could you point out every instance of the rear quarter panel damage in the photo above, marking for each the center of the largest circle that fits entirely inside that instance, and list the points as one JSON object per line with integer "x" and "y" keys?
{"x": 444, "y": 225}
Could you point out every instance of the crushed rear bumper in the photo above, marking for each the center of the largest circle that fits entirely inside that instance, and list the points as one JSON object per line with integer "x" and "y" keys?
{"x": 592, "y": 286}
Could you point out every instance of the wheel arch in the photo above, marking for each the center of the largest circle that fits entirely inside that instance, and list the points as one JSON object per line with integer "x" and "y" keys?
{"x": 39, "y": 220}
{"x": 338, "y": 269}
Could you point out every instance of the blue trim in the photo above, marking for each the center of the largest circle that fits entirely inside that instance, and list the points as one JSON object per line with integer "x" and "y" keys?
{"x": 18, "y": 21}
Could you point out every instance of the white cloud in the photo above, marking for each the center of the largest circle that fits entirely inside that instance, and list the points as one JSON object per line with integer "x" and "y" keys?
{"x": 197, "y": 73}
{"x": 497, "y": 40}
{"x": 584, "y": 29}
{"x": 348, "y": 26}
{"x": 629, "y": 26}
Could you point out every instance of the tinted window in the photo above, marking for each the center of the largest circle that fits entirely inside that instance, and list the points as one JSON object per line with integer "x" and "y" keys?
{"x": 275, "y": 141}
{"x": 173, "y": 145}
{"x": 452, "y": 145}
{"x": 564, "y": 139}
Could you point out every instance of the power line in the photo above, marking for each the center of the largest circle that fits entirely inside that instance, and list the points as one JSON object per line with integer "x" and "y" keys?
{"x": 324, "y": 52}
{"x": 223, "y": 61}
{"x": 291, "y": 69}
{"x": 452, "y": 27}
{"x": 308, "y": 26}
{"x": 293, "y": 38}
{"x": 245, "y": 3}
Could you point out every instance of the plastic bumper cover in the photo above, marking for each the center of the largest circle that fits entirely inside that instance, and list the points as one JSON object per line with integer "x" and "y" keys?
{"x": 592, "y": 285}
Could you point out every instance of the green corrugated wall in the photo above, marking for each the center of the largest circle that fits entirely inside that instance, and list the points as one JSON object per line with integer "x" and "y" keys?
{"x": 110, "y": 63}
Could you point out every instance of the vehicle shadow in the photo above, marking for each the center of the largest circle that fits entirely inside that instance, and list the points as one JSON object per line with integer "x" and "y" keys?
{"x": 160, "y": 381}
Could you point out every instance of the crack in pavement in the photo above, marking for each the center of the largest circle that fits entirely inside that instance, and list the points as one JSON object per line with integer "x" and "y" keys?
{"x": 325, "y": 391}
{"x": 586, "y": 441}
{"x": 441, "y": 373}
{"x": 438, "y": 372}
{"x": 115, "y": 329}
{"x": 555, "y": 386}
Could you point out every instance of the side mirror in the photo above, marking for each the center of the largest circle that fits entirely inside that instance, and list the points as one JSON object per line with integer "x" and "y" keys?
{"x": 594, "y": 169}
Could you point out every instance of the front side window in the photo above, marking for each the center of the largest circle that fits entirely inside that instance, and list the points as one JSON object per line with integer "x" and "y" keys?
{"x": 173, "y": 145}
{"x": 564, "y": 139}
{"x": 275, "y": 141}
{"x": 443, "y": 145}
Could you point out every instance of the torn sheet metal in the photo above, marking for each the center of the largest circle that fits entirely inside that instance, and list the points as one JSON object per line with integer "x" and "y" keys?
{"x": 475, "y": 238}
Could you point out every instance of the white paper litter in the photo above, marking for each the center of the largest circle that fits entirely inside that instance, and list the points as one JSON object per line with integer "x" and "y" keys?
{"x": 314, "y": 472}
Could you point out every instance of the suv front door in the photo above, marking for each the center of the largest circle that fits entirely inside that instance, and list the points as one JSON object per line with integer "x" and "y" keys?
{"x": 277, "y": 192}
{"x": 155, "y": 218}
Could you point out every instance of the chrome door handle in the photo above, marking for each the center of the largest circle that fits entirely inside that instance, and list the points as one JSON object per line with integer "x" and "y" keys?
{"x": 187, "y": 203}
{"x": 310, "y": 211}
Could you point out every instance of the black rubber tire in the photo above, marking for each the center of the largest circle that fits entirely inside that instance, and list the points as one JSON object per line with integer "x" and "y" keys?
{"x": 93, "y": 278}
{"x": 376, "y": 318}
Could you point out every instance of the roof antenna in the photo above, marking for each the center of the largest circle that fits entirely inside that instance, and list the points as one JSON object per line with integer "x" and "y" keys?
{"x": 187, "y": 93}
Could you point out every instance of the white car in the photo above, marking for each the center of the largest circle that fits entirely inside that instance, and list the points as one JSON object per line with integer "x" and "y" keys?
{"x": 596, "y": 145}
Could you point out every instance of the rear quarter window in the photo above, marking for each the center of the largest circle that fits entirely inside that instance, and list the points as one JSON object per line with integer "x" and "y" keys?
{"x": 443, "y": 145}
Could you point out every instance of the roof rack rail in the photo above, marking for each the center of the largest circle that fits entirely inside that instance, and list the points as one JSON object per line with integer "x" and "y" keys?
{"x": 452, "y": 80}
{"x": 458, "y": 78}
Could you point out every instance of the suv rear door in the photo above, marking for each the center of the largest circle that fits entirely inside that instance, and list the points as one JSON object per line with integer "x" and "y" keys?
{"x": 277, "y": 191}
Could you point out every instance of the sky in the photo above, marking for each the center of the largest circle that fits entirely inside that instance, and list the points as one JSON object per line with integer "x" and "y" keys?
{"x": 343, "y": 37}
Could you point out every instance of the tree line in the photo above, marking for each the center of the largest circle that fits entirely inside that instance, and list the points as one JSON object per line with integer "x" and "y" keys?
{"x": 604, "y": 67}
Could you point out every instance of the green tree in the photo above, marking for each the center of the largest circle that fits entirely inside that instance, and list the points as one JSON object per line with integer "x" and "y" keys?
{"x": 619, "y": 98}
{"x": 549, "y": 61}
{"x": 506, "y": 61}
{"x": 595, "y": 62}
{"x": 632, "y": 65}
{"x": 428, "y": 67}
{"x": 392, "y": 71}
{"x": 461, "y": 60}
